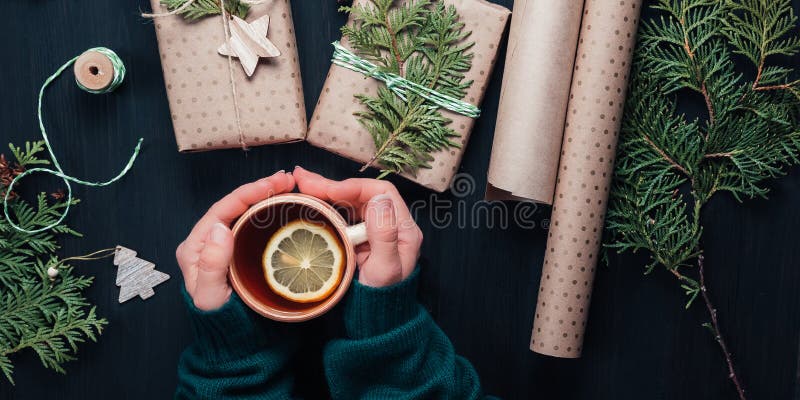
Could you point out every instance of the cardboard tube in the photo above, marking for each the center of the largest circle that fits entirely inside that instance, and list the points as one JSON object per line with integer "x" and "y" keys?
{"x": 605, "y": 49}
{"x": 533, "y": 101}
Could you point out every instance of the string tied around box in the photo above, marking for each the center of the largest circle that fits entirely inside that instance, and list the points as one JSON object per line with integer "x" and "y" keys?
{"x": 227, "y": 33}
{"x": 97, "y": 81}
{"x": 399, "y": 85}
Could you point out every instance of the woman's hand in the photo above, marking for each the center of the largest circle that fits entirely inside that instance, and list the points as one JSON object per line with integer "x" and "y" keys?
{"x": 206, "y": 253}
{"x": 394, "y": 238}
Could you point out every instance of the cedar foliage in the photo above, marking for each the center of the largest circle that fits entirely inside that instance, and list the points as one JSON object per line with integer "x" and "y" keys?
{"x": 670, "y": 166}
{"x": 204, "y": 8}
{"x": 422, "y": 41}
{"x": 49, "y": 317}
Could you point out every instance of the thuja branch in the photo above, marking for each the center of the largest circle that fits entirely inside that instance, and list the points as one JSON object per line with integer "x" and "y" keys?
{"x": 751, "y": 134}
{"x": 440, "y": 51}
{"x": 423, "y": 42}
{"x": 777, "y": 87}
{"x": 392, "y": 139}
{"x": 49, "y": 317}
{"x": 715, "y": 329}
{"x": 696, "y": 67}
{"x": 664, "y": 155}
{"x": 395, "y": 49}
{"x": 382, "y": 150}
{"x": 695, "y": 287}
{"x": 202, "y": 8}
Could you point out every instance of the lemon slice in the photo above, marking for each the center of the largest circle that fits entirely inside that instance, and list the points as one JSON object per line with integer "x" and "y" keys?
{"x": 303, "y": 261}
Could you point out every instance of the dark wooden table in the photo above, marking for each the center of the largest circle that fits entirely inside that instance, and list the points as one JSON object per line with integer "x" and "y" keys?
{"x": 480, "y": 283}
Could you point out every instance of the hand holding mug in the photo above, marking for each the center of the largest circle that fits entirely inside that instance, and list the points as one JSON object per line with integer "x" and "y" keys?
{"x": 206, "y": 253}
{"x": 392, "y": 251}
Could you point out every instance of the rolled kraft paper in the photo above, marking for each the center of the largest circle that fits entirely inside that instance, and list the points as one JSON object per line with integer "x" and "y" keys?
{"x": 94, "y": 70}
{"x": 605, "y": 49}
{"x": 199, "y": 88}
{"x": 335, "y": 128}
{"x": 533, "y": 102}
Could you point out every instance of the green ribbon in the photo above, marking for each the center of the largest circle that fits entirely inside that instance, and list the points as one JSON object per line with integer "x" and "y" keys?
{"x": 119, "y": 76}
{"x": 399, "y": 85}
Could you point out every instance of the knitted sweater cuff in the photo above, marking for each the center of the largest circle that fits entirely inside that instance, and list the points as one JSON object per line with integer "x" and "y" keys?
{"x": 229, "y": 332}
{"x": 374, "y": 311}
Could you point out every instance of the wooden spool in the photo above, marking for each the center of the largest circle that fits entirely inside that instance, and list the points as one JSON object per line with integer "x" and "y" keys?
{"x": 94, "y": 70}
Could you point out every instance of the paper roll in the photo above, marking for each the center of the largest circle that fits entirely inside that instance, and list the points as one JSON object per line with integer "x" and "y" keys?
{"x": 533, "y": 101}
{"x": 605, "y": 49}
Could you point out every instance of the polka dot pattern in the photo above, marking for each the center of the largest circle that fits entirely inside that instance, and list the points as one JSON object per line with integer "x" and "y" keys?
{"x": 271, "y": 105}
{"x": 335, "y": 128}
{"x": 595, "y": 108}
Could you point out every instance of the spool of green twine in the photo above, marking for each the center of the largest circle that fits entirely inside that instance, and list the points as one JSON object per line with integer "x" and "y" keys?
{"x": 98, "y": 70}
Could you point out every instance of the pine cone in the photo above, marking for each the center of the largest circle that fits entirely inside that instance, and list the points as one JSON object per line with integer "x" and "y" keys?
{"x": 7, "y": 174}
{"x": 58, "y": 194}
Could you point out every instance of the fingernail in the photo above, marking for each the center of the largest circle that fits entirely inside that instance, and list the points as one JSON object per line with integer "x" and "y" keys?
{"x": 381, "y": 201}
{"x": 296, "y": 167}
{"x": 219, "y": 233}
{"x": 283, "y": 171}
{"x": 382, "y": 212}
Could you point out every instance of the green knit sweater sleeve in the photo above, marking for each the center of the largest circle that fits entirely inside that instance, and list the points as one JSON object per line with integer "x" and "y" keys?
{"x": 236, "y": 355}
{"x": 394, "y": 350}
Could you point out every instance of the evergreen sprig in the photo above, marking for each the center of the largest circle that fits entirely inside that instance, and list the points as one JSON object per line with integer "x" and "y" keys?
{"x": 668, "y": 165}
{"x": 203, "y": 8}
{"x": 49, "y": 317}
{"x": 424, "y": 42}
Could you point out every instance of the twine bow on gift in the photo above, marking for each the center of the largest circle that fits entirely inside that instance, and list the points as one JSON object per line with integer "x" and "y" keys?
{"x": 226, "y": 27}
{"x": 399, "y": 85}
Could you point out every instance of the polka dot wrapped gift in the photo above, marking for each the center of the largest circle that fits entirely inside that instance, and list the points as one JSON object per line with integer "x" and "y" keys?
{"x": 335, "y": 125}
{"x": 267, "y": 107}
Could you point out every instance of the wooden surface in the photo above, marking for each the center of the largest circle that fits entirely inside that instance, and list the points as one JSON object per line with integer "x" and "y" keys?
{"x": 480, "y": 283}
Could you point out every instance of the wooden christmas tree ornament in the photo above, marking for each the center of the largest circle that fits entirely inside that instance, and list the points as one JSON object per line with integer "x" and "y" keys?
{"x": 135, "y": 277}
{"x": 94, "y": 71}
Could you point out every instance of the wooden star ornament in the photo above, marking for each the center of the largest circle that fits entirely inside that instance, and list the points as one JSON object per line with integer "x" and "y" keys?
{"x": 249, "y": 43}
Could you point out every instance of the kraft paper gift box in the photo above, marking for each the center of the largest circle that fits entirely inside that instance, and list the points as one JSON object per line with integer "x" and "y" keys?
{"x": 335, "y": 127}
{"x": 200, "y": 89}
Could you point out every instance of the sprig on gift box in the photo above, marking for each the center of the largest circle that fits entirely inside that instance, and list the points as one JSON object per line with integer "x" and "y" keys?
{"x": 203, "y": 8}
{"x": 50, "y": 317}
{"x": 423, "y": 42}
{"x": 669, "y": 167}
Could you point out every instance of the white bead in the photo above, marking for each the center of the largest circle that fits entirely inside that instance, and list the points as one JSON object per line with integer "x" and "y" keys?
{"x": 52, "y": 272}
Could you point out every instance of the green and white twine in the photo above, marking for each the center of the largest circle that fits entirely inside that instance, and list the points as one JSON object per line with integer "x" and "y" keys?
{"x": 119, "y": 76}
{"x": 399, "y": 85}
{"x": 116, "y": 62}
